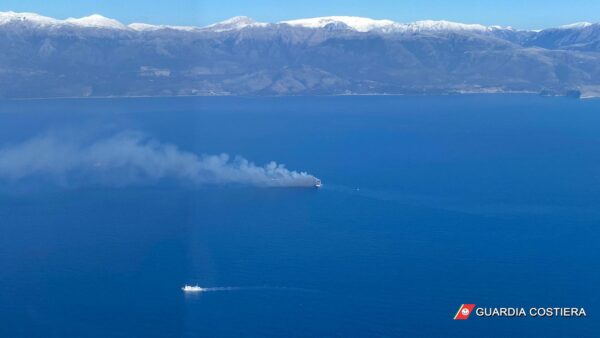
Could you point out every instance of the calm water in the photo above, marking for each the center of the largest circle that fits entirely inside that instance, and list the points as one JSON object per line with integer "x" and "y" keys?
{"x": 492, "y": 200}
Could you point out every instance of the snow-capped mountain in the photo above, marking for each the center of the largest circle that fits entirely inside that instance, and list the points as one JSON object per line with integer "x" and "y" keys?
{"x": 144, "y": 27}
{"x": 351, "y": 22}
{"x": 27, "y": 18}
{"x": 235, "y": 23}
{"x": 582, "y": 36}
{"x": 96, "y": 21}
{"x": 360, "y": 24}
{"x": 99, "y": 56}
{"x": 36, "y": 20}
{"x": 576, "y": 25}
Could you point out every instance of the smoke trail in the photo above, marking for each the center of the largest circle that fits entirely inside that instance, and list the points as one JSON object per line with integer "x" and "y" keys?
{"x": 132, "y": 158}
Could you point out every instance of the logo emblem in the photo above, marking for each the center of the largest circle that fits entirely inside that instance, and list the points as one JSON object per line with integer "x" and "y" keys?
{"x": 464, "y": 311}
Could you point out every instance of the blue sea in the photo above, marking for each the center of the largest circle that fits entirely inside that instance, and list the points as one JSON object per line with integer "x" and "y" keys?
{"x": 427, "y": 203}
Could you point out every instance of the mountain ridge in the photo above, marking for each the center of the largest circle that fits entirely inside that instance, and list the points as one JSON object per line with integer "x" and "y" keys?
{"x": 98, "y": 56}
{"x": 362, "y": 24}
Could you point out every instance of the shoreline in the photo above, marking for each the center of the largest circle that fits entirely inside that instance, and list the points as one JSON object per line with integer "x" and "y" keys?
{"x": 582, "y": 97}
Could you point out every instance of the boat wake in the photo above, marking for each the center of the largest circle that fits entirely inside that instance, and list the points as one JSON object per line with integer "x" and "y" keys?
{"x": 223, "y": 288}
{"x": 197, "y": 289}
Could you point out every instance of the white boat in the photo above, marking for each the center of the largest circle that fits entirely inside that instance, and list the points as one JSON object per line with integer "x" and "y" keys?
{"x": 317, "y": 183}
{"x": 192, "y": 288}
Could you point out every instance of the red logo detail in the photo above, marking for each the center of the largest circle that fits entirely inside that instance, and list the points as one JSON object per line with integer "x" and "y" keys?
{"x": 464, "y": 311}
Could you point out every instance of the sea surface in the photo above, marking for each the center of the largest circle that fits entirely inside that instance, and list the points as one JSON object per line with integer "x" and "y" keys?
{"x": 427, "y": 203}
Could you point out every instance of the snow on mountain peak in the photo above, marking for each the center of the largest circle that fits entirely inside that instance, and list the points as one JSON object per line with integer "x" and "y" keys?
{"x": 361, "y": 24}
{"x": 354, "y": 22}
{"x": 237, "y": 22}
{"x": 576, "y": 25}
{"x": 96, "y": 21}
{"x": 144, "y": 27}
{"x": 358, "y": 24}
{"x": 36, "y": 19}
{"x": 441, "y": 25}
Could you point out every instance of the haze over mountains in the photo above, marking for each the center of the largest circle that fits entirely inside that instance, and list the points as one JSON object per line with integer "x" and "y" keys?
{"x": 98, "y": 56}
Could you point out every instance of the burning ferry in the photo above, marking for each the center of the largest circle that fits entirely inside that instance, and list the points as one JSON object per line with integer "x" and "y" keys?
{"x": 192, "y": 288}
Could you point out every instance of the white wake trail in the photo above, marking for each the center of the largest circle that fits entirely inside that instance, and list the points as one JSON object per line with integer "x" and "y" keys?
{"x": 189, "y": 289}
{"x": 225, "y": 288}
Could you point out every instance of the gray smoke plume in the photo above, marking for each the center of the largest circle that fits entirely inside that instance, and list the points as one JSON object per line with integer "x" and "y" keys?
{"x": 131, "y": 157}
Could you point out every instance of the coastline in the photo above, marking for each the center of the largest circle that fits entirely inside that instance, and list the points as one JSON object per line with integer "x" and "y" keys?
{"x": 412, "y": 94}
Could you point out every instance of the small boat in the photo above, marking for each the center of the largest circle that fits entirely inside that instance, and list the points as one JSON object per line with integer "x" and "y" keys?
{"x": 317, "y": 183}
{"x": 192, "y": 288}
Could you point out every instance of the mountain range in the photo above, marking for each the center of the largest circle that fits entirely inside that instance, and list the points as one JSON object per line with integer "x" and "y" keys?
{"x": 338, "y": 55}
